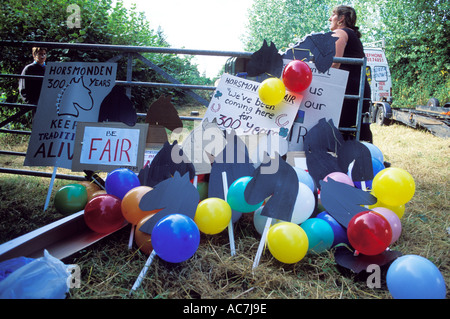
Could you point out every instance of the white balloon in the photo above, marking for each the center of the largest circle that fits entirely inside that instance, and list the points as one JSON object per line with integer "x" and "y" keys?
{"x": 304, "y": 205}
{"x": 260, "y": 221}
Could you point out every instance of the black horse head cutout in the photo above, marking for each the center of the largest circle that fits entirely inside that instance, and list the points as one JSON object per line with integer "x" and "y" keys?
{"x": 175, "y": 195}
{"x": 343, "y": 201}
{"x": 117, "y": 107}
{"x": 320, "y": 45}
{"x": 275, "y": 178}
{"x": 322, "y": 140}
{"x": 234, "y": 160}
{"x": 163, "y": 113}
{"x": 265, "y": 60}
{"x": 168, "y": 160}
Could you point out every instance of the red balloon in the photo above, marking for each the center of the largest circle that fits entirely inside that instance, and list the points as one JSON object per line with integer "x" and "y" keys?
{"x": 369, "y": 233}
{"x": 297, "y": 76}
{"x": 103, "y": 213}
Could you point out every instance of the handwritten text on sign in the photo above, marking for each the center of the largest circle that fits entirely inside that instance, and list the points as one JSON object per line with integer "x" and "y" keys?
{"x": 236, "y": 105}
{"x": 110, "y": 146}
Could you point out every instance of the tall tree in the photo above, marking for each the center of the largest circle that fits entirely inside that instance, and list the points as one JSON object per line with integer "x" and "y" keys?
{"x": 418, "y": 49}
{"x": 100, "y": 22}
{"x": 415, "y": 33}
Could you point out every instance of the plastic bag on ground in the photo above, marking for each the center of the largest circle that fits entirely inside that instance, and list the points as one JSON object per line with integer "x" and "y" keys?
{"x": 42, "y": 278}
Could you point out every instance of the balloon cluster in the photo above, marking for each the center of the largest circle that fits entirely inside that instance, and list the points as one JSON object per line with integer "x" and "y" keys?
{"x": 296, "y": 77}
{"x": 176, "y": 237}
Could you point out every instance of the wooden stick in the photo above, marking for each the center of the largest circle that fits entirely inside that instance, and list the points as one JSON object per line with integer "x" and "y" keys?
{"x": 143, "y": 272}
{"x": 230, "y": 225}
{"x": 130, "y": 240}
{"x": 262, "y": 242}
{"x": 50, "y": 187}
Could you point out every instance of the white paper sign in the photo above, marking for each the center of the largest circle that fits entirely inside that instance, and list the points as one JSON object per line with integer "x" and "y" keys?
{"x": 71, "y": 92}
{"x": 323, "y": 99}
{"x": 236, "y": 105}
{"x": 110, "y": 146}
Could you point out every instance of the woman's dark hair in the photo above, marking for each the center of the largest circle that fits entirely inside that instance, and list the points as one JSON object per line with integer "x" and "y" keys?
{"x": 349, "y": 17}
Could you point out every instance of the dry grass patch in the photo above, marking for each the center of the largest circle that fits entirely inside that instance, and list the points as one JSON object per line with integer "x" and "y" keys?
{"x": 109, "y": 269}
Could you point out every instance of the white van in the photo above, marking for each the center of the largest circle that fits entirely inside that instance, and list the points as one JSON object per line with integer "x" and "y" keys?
{"x": 378, "y": 75}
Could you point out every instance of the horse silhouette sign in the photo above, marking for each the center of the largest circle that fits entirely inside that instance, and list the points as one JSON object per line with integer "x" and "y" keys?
{"x": 72, "y": 92}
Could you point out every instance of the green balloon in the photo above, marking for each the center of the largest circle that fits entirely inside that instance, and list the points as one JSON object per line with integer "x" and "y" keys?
{"x": 236, "y": 199}
{"x": 71, "y": 199}
{"x": 202, "y": 188}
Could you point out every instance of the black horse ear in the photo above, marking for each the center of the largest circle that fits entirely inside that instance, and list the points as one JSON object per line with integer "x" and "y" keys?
{"x": 265, "y": 60}
{"x": 175, "y": 195}
{"x": 117, "y": 107}
{"x": 163, "y": 113}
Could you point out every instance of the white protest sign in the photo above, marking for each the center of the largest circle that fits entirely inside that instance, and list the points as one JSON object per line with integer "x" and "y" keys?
{"x": 71, "y": 92}
{"x": 236, "y": 105}
{"x": 104, "y": 145}
{"x": 323, "y": 99}
{"x": 110, "y": 145}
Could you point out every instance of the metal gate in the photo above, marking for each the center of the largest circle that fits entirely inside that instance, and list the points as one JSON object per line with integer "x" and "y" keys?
{"x": 135, "y": 52}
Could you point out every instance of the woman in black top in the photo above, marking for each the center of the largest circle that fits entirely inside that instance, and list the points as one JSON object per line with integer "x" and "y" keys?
{"x": 343, "y": 24}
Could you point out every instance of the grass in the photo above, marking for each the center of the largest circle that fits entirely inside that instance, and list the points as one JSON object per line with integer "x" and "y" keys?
{"x": 109, "y": 269}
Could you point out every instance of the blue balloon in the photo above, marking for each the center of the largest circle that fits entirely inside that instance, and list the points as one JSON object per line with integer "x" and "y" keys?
{"x": 320, "y": 234}
{"x": 175, "y": 238}
{"x": 120, "y": 181}
{"x": 374, "y": 151}
{"x": 340, "y": 233}
{"x": 305, "y": 178}
{"x": 415, "y": 277}
{"x": 236, "y": 199}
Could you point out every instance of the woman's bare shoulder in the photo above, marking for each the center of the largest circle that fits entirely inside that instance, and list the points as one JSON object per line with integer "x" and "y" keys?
{"x": 340, "y": 33}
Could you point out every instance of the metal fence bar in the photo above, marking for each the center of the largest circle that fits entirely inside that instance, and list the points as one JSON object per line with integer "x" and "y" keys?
{"x": 124, "y": 48}
{"x": 41, "y": 174}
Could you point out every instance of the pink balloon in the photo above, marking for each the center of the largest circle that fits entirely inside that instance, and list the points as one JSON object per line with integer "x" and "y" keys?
{"x": 340, "y": 177}
{"x": 393, "y": 220}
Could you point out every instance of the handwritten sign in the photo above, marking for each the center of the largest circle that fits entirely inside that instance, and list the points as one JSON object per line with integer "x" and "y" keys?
{"x": 323, "y": 99}
{"x": 107, "y": 146}
{"x": 236, "y": 105}
{"x": 71, "y": 92}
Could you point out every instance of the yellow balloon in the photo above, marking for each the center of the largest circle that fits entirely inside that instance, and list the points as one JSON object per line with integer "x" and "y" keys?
{"x": 393, "y": 186}
{"x": 212, "y": 215}
{"x": 287, "y": 242}
{"x": 272, "y": 91}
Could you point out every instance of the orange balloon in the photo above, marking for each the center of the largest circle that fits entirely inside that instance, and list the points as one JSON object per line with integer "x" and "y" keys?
{"x": 143, "y": 240}
{"x": 91, "y": 188}
{"x": 130, "y": 204}
{"x": 100, "y": 192}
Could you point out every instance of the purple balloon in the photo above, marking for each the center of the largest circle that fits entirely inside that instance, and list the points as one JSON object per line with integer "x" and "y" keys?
{"x": 340, "y": 234}
{"x": 120, "y": 181}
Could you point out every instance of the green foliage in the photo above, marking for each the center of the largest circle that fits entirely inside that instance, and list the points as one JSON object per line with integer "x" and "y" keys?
{"x": 416, "y": 34}
{"x": 418, "y": 50}
{"x": 282, "y": 22}
{"x": 102, "y": 22}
